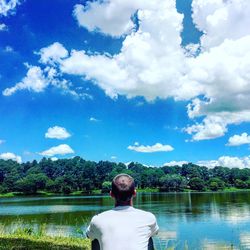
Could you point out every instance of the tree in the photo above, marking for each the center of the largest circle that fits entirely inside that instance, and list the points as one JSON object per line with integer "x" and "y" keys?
{"x": 240, "y": 184}
{"x": 191, "y": 170}
{"x": 151, "y": 177}
{"x": 216, "y": 184}
{"x": 197, "y": 183}
{"x": 172, "y": 182}
{"x": 106, "y": 186}
{"x": 31, "y": 183}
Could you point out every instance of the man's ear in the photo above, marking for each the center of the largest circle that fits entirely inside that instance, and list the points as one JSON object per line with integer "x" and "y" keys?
{"x": 134, "y": 194}
{"x": 111, "y": 194}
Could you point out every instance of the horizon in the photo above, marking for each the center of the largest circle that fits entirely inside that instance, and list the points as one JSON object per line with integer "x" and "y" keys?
{"x": 159, "y": 82}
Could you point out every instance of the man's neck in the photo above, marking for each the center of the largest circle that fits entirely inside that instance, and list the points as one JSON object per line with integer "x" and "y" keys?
{"x": 127, "y": 203}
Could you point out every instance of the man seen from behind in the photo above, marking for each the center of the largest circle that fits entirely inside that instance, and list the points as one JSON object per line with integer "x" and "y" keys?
{"x": 123, "y": 227}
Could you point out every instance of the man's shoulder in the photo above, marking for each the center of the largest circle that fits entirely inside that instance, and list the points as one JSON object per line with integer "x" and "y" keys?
{"x": 101, "y": 215}
{"x": 145, "y": 213}
{"x": 112, "y": 212}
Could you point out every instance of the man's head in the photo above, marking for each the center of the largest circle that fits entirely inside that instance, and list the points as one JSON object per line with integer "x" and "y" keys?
{"x": 123, "y": 188}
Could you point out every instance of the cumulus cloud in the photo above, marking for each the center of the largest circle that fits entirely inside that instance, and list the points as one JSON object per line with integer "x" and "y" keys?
{"x": 35, "y": 80}
{"x": 158, "y": 147}
{"x": 11, "y": 156}
{"x": 238, "y": 140}
{"x": 3, "y": 27}
{"x": 57, "y": 132}
{"x": 175, "y": 163}
{"x": 228, "y": 161}
{"x": 8, "y": 7}
{"x": 220, "y": 74}
{"x": 157, "y": 41}
{"x": 214, "y": 76}
{"x": 220, "y": 20}
{"x": 109, "y": 17}
{"x": 54, "y": 52}
{"x": 62, "y": 149}
{"x": 211, "y": 127}
{"x": 38, "y": 79}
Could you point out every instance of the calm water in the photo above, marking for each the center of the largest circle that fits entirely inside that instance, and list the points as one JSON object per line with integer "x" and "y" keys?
{"x": 193, "y": 220}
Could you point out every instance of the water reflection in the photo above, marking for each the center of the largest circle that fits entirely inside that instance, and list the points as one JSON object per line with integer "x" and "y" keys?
{"x": 186, "y": 220}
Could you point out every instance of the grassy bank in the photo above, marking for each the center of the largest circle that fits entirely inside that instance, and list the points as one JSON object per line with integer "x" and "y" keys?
{"x": 97, "y": 192}
{"x": 147, "y": 190}
{"x": 29, "y": 242}
{"x": 234, "y": 189}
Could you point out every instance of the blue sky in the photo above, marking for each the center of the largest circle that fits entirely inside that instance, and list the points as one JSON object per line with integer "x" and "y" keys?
{"x": 159, "y": 82}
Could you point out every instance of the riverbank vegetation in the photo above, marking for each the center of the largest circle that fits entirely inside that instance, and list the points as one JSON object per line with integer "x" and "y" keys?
{"x": 79, "y": 176}
{"x": 28, "y": 239}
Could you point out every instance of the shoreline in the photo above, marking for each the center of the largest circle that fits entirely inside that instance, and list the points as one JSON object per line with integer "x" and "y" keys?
{"x": 99, "y": 192}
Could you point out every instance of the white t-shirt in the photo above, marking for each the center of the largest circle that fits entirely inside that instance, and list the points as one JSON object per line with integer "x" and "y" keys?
{"x": 123, "y": 228}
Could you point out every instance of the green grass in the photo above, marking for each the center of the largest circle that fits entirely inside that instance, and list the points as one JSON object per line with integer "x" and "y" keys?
{"x": 30, "y": 242}
{"x": 26, "y": 238}
{"x": 234, "y": 189}
{"x": 147, "y": 190}
{"x": 12, "y": 194}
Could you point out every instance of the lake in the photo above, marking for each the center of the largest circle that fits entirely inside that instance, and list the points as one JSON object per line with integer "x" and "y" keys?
{"x": 193, "y": 220}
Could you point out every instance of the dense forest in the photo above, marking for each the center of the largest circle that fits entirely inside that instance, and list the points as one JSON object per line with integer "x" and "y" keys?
{"x": 76, "y": 174}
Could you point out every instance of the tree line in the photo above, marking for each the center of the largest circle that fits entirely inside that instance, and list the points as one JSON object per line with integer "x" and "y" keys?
{"x": 76, "y": 174}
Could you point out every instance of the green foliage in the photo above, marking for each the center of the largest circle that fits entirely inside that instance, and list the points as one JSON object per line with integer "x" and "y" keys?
{"x": 197, "y": 183}
{"x": 172, "y": 182}
{"x": 241, "y": 184}
{"x": 77, "y": 175}
{"x": 31, "y": 183}
{"x": 216, "y": 184}
{"x": 106, "y": 186}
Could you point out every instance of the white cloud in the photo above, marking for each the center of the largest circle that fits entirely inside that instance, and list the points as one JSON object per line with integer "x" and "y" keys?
{"x": 62, "y": 149}
{"x": 54, "y": 158}
{"x": 38, "y": 79}
{"x": 11, "y": 156}
{"x": 8, "y": 7}
{"x": 52, "y": 53}
{"x": 157, "y": 41}
{"x": 35, "y": 80}
{"x": 113, "y": 157}
{"x": 208, "y": 163}
{"x": 93, "y": 119}
{"x": 220, "y": 73}
{"x": 3, "y": 27}
{"x": 238, "y": 140}
{"x": 153, "y": 64}
{"x": 220, "y": 20}
{"x": 158, "y": 147}
{"x": 8, "y": 49}
{"x": 211, "y": 127}
{"x": 57, "y": 132}
{"x": 228, "y": 161}
{"x": 109, "y": 17}
{"x": 175, "y": 163}
{"x": 2, "y": 141}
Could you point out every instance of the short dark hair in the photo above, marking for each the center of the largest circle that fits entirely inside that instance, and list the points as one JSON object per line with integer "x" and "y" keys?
{"x": 123, "y": 187}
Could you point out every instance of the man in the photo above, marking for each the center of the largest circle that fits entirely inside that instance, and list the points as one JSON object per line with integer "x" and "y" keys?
{"x": 123, "y": 227}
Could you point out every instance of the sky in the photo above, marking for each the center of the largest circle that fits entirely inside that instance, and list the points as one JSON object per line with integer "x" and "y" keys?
{"x": 159, "y": 82}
